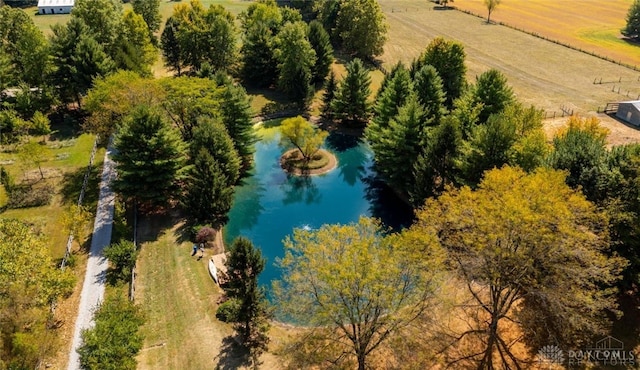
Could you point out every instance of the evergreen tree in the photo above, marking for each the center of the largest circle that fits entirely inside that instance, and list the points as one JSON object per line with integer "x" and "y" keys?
{"x": 213, "y": 137}
{"x": 489, "y": 147}
{"x": 440, "y": 162}
{"x": 209, "y": 191}
{"x": 244, "y": 265}
{"x": 632, "y": 28}
{"x": 259, "y": 64}
{"x": 393, "y": 97}
{"x": 171, "y": 50}
{"x": 447, "y": 57}
{"x": 150, "y": 157}
{"x": 428, "y": 87}
{"x": 388, "y": 77}
{"x": 296, "y": 59}
{"x": 79, "y": 60}
{"x": 330, "y": 88}
{"x": 493, "y": 92}
{"x": 319, "y": 40}
{"x": 405, "y": 138}
{"x": 351, "y": 104}
{"x": 235, "y": 113}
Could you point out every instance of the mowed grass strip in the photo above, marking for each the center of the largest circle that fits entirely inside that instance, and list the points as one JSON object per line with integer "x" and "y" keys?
{"x": 179, "y": 300}
{"x": 586, "y": 24}
{"x": 542, "y": 73}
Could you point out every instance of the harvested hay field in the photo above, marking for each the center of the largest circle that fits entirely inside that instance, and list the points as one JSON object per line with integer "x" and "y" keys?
{"x": 590, "y": 25}
{"x": 544, "y": 74}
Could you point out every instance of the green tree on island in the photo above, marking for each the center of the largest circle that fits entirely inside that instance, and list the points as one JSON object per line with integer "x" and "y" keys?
{"x": 303, "y": 135}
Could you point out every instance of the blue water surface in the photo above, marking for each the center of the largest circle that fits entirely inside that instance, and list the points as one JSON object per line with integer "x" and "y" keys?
{"x": 270, "y": 204}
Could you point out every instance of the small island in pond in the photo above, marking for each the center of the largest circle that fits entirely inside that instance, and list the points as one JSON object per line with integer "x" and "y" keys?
{"x": 306, "y": 158}
{"x": 321, "y": 162}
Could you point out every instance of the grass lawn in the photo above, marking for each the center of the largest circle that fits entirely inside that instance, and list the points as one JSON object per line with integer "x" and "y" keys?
{"x": 64, "y": 168}
{"x": 180, "y": 301}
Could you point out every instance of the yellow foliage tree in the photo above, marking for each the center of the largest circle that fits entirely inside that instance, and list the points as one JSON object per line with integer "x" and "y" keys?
{"x": 356, "y": 286}
{"x": 530, "y": 251}
{"x": 303, "y": 135}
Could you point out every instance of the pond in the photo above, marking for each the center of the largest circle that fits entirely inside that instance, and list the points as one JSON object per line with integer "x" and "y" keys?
{"x": 270, "y": 204}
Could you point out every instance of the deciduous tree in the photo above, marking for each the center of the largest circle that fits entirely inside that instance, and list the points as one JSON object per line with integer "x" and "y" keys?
{"x": 29, "y": 283}
{"x": 115, "y": 340}
{"x": 491, "y": 6}
{"x": 150, "y": 12}
{"x": 447, "y": 57}
{"x": 303, "y": 135}
{"x": 362, "y": 27}
{"x": 354, "y": 287}
{"x": 296, "y": 59}
{"x": 550, "y": 283}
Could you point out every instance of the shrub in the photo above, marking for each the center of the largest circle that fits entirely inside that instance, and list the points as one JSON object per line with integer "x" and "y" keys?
{"x": 205, "y": 234}
{"x": 122, "y": 256}
{"x": 25, "y": 196}
{"x": 228, "y": 311}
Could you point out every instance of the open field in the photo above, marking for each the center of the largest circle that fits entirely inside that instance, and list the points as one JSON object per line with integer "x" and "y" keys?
{"x": 586, "y": 24}
{"x": 541, "y": 73}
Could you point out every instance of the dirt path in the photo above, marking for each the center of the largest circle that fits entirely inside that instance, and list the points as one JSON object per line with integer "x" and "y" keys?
{"x": 94, "y": 280}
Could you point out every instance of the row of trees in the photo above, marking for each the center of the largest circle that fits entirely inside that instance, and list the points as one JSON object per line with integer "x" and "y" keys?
{"x": 98, "y": 39}
{"x": 186, "y": 138}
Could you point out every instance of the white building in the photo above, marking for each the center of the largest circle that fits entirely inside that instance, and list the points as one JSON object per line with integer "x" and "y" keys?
{"x": 55, "y": 6}
{"x": 629, "y": 111}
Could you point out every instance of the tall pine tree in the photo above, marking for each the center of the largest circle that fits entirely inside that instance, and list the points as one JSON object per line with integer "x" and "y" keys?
{"x": 321, "y": 44}
{"x": 150, "y": 157}
{"x": 209, "y": 193}
{"x": 330, "y": 88}
{"x": 235, "y": 113}
{"x": 351, "y": 104}
{"x": 214, "y": 138}
{"x": 171, "y": 50}
{"x": 428, "y": 87}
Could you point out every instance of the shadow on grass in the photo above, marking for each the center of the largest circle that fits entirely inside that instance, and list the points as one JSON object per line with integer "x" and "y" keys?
{"x": 72, "y": 185}
{"x": 151, "y": 226}
{"x": 232, "y": 355}
{"x": 66, "y": 124}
